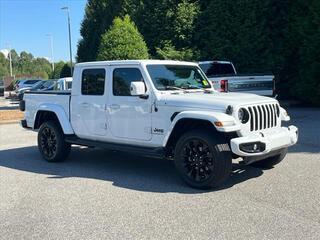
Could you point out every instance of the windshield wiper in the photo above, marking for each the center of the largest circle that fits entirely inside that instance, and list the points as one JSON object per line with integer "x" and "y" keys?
{"x": 173, "y": 88}
{"x": 191, "y": 87}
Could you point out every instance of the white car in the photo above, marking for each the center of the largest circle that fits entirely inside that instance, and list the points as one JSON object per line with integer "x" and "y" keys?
{"x": 225, "y": 78}
{"x": 160, "y": 109}
{"x": 64, "y": 84}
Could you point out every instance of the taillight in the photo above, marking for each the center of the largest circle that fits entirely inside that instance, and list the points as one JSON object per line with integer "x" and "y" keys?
{"x": 224, "y": 86}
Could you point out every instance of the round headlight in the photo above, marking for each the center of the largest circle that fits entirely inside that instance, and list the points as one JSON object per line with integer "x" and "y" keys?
{"x": 243, "y": 115}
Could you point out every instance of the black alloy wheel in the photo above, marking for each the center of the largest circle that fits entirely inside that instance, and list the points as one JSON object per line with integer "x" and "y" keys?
{"x": 48, "y": 141}
{"x": 203, "y": 158}
{"x": 198, "y": 160}
{"x": 51, "y": 143}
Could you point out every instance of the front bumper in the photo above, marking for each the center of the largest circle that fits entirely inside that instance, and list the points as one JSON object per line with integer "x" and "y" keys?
{"x": 271, "y": 141}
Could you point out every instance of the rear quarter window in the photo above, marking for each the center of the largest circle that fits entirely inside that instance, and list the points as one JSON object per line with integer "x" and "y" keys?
{"x": 93, "y": 81}
{"x": 214, "y": 69}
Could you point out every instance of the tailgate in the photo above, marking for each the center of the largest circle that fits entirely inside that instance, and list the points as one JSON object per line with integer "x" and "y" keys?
{"x": 261, "y": 85}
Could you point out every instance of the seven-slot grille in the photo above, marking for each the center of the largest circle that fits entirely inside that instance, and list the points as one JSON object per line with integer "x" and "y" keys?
{"x": 263, "y": 116}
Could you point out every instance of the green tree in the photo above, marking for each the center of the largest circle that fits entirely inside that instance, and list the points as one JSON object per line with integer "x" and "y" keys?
{"x": 169, "y": 52}
{"x": 122, "y": 41}
{"x": 4, "y": 66}
{"x": 235, "y": 30}
{"x": 304, "y": 51}
{"x": 65, "y": 71}
{"x": 57, "y": 70}
{"x": 99, "y": 15}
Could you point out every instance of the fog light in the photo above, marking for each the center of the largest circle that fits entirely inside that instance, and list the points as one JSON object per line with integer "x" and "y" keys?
{"x": 255, "y": 147}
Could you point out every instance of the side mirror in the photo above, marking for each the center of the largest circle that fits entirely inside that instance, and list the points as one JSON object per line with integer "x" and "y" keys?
{"x": 137, "y": 88}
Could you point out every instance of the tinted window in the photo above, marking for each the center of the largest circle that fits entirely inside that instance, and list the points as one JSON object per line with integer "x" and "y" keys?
{"x": 31, "y": 81}
{"x": 213, "y": 69}
{"x": 93, "y": 81}
{"x": 122, "y": 78}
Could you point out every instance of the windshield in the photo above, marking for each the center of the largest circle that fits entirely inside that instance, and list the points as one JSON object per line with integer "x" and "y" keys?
{"x": 38, "y": 85}
{"x": 214, "y": 69}
{"x": 175, "y": 77}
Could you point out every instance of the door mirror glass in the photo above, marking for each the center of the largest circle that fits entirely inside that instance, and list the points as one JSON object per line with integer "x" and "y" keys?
{"x": 137, "y": 88}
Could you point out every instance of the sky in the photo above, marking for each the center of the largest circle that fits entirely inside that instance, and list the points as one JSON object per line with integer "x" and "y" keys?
{"x": 24, "y": 25}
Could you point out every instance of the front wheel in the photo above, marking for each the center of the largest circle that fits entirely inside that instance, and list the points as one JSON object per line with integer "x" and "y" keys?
{"x": 51, "y": 143}
{"x": 203, "y": 159}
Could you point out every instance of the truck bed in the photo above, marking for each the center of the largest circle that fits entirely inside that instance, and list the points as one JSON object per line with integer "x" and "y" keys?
{"x": 40, "y": 100}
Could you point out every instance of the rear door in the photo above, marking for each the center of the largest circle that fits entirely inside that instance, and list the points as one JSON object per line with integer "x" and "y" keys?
{"x": 89, "y": 104}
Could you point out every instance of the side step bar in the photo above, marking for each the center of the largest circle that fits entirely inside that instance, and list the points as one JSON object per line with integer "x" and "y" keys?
{"x": 158, "y": 152}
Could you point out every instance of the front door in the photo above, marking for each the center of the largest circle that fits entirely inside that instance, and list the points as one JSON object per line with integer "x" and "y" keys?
{"x": 129, "y": 116}
{"x": 89, "y": 106}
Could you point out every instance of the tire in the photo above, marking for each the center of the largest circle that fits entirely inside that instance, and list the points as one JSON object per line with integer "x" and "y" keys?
{"x": 271, "y": 161}
{"x": 203, "y": 159}
{"x": 51, "y": 142}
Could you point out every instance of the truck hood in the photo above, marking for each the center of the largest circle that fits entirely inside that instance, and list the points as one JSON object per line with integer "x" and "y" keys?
{"x": 215, "y": 100}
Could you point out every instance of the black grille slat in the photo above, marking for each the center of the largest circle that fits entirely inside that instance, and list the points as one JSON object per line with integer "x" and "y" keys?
{"x": 275, "y": 114}
{"x": 260, "y": 118}
{"x": 268, "y": 114}
{"x": 251, "y": 119}
{"x": 271, "y": 112}
{"x": 255, "y": 119}
{"x": 264, "y": 117}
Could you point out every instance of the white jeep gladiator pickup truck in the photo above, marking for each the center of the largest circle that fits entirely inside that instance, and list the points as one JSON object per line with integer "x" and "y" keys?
{"x": 160, "y": 109}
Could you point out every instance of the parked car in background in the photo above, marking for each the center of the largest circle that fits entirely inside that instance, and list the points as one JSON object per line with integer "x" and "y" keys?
{"x": 63, "y": 84}
{"x": 1, "y": 88}
{"x": 25, "y": 83}
{"x": 39, "y": 86}
{"x": 225, "y": 78}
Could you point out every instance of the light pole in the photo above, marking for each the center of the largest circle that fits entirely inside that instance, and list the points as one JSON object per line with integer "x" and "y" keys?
{"x": 51, "y": 46}
{"x": 70, "y": 50}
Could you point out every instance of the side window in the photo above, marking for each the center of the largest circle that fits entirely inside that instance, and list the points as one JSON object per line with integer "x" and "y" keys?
{"x": 122, "y": 78}
{"x": 92, "y": 81}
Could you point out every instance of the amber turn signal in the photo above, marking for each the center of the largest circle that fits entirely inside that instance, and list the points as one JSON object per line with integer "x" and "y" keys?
{"x": 218, "y": 124}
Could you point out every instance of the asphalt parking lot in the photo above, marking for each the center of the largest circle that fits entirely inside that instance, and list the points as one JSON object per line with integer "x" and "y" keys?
{"x": 98, "y": 194}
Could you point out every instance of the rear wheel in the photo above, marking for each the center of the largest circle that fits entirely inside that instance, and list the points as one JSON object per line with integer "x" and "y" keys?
{"x": 203, "y": 159}
{"x": 51, "y": 143}
{"x": 271, "y": 161}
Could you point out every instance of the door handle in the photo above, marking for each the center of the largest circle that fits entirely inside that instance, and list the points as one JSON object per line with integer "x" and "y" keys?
{"x": 114, "y": 106}
{"x": 85, "y": 104}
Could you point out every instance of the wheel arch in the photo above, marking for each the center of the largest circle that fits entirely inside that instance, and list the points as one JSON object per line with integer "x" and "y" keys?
{"x": 54, "y": 113}
{"x": 189, "y": 120}
{"x": 187, "y": 124}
